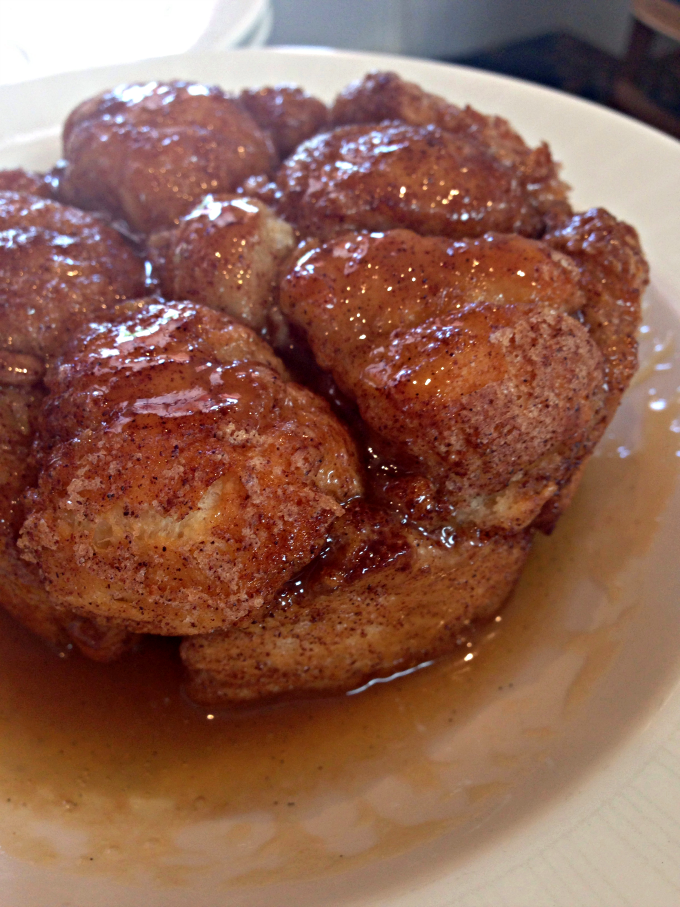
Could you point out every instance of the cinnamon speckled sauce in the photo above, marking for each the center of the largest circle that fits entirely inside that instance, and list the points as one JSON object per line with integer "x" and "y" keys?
{"x": 107, "y": 770}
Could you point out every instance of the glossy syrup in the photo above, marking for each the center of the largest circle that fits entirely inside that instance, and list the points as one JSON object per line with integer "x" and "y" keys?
{"x": 108, "y": 769}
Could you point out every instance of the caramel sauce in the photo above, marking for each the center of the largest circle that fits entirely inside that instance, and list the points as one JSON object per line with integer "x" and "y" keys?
{"x": 109, "y": 770}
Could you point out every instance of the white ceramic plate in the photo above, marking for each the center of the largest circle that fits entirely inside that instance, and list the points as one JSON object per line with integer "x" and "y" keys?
{"x": 74, "y": 35}
{"x": 559, "y": 786}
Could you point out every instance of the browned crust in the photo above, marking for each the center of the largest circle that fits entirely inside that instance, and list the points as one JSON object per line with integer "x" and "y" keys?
{"x": 183, "y": 479}
{"x": 386, "y": 96}
{"x": 287, "y": 113}
{"x": 147, "y": 153}
{"x": 382, "y": 598}
{"x": 313, "y": 590}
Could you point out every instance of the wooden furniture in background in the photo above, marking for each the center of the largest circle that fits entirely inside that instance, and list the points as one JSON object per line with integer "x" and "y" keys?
{"x": 651, "y": 18}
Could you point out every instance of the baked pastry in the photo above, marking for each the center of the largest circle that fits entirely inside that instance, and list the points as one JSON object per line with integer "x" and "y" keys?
{"x": 227, "y": 253}
{"x": 381, "y": 96}
{"x": 470, "y": 334}
{"x": 59, "y": 269}
{"x": 287, "y": 113}
{"x": 382, "y": 596}
{"x": 183, "y": 477}
{"x": 146, "y": 153}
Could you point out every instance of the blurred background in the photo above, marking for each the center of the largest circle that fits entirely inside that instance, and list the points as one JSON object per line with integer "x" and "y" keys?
{"x": 623, "y": 53}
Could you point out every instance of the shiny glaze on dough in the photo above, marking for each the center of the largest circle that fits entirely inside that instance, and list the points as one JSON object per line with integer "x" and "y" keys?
{"x": 184, "y": 478}
{"x": 59, "y": 267}
{"x": 188, "y": 485}
{"x": 227, "y": 254}
{"x": 461, "y": 355}
{"x": 383, "y": 96}
{"x": 147, "y": 153}
{"x": 287, "y": 113}
{"x": 397, "y": 175}
{"x": 22, "y": 591}
{"x": 382, "y": 597}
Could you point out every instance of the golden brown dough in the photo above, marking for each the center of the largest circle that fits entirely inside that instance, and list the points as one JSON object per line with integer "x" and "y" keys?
{"x": 398, "y": 175}
{"x": 22, "y": 592}
{"x": 226, "y": 254}
{"x": 147, "y": 153}
{"x": 381, "y": 598}
{"x": 386, "y": 96}
{"x": 26, "y": 182}
{"x": 287, "y": 113}
{"x": 461, "y": 356}
{"x": 184, "y": 477}
{"x": 59, "y": 267}
{"x": 492, "y": 326}
{"x": 184, "y": 485}
{"x": 613, "y": 277}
